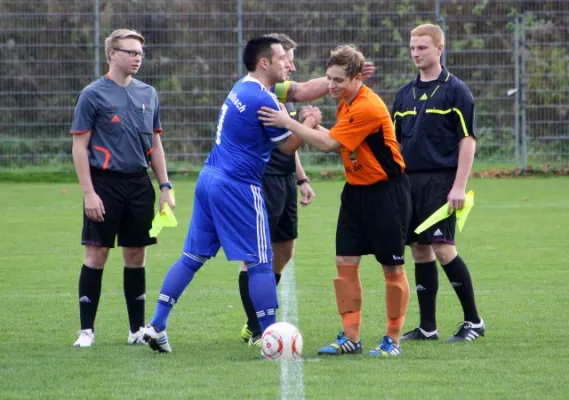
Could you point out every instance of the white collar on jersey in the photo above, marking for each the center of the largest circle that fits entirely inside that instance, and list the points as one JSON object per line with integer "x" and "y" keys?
{"x": 249, "y": 78}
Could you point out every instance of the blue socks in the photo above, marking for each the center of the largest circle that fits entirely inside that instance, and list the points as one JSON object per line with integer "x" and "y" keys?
{"x": 262, "y": 290}
{"x": 263, "y": 293}
{"x": 177, "y": 279}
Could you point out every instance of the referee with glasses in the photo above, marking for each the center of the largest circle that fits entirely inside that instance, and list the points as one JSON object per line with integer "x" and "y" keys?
{"x": 116, "y": 137}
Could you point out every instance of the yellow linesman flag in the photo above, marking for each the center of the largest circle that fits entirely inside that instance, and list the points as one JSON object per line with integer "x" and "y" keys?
{"x": 443, "y": 213}
{"x": 163, "y": 219}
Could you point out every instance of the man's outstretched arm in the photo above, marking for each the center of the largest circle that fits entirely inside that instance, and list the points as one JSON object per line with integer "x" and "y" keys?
{"x": 316, "y": 88}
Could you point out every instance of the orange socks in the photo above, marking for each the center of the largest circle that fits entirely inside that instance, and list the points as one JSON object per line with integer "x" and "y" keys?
{"x": 349, "y": 299}
{"x": 396, "y": 301}
{"x": 351, "y": 321}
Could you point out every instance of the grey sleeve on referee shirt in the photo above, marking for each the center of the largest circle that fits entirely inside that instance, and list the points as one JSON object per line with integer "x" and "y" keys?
{"x": 157, "y": 125}
{"x": 85, "y": 112}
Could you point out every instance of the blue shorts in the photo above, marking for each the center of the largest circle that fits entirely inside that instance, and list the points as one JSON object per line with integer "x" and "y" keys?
{"x": 229, "y": 214}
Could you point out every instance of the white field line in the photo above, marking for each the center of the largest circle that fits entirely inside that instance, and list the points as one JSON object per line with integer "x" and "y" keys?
{"x": 292, "y": 375}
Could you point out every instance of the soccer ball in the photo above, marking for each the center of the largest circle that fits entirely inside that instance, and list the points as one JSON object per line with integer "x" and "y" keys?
{"x": 282, "y": 341}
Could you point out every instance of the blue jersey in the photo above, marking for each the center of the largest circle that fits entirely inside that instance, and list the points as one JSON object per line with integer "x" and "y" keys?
{"x": 243, "y": 144}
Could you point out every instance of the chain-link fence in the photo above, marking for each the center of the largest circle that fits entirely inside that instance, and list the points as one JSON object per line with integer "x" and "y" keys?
{"x": 512, "y": 54}
{"x": 545, "y": 113}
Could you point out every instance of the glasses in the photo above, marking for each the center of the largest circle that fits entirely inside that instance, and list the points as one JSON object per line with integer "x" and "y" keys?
{"x": 132, "y": 53}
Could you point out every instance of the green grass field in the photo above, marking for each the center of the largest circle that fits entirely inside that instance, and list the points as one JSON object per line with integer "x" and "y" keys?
{"x": 513, "y": 243}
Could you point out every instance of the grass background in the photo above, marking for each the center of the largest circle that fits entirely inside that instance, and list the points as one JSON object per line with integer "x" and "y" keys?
{"x": 513, "y": 243}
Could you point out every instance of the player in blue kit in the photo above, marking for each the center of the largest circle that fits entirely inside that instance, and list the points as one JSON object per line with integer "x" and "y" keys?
{"x": 229, "y": 209}
{"x": 284, "y": 173}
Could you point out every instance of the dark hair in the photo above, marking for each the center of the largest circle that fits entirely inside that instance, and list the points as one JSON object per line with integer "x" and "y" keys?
{"x": 258, "y": 48}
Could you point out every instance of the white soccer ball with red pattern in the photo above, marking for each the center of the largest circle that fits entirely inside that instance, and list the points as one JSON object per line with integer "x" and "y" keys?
{"x": 282, "y": 341}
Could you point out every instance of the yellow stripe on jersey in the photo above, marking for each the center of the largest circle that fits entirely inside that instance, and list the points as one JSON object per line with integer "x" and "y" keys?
{"x": 456, "y": 110}
{"x": 402, "y": 114}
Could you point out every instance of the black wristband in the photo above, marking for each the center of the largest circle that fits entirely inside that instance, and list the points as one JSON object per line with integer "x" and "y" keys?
{"x": 301, "y": 181}
{"x": 165, "y": 185}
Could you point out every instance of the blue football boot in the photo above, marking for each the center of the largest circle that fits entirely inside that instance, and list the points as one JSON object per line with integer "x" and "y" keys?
{"x": 386, "y": 347}
{"x": 342, "y": 345}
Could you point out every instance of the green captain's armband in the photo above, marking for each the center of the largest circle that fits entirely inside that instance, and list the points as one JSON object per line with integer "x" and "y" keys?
{"x": 281, "y": 90}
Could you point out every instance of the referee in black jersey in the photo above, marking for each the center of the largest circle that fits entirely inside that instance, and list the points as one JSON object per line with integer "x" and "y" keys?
{"x": 434, "y": 123}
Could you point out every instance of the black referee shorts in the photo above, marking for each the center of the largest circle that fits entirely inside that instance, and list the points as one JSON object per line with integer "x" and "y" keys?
{"x": 429, "y": 192}
{"x": 281, "y": 203}
{"x": 129, "y": 210}
{"x": 374, "y": 220}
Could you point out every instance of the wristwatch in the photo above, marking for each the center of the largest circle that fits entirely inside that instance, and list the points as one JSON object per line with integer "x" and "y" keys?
{"x": 165, "y": 185}
{"x": 301, "y": 181}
